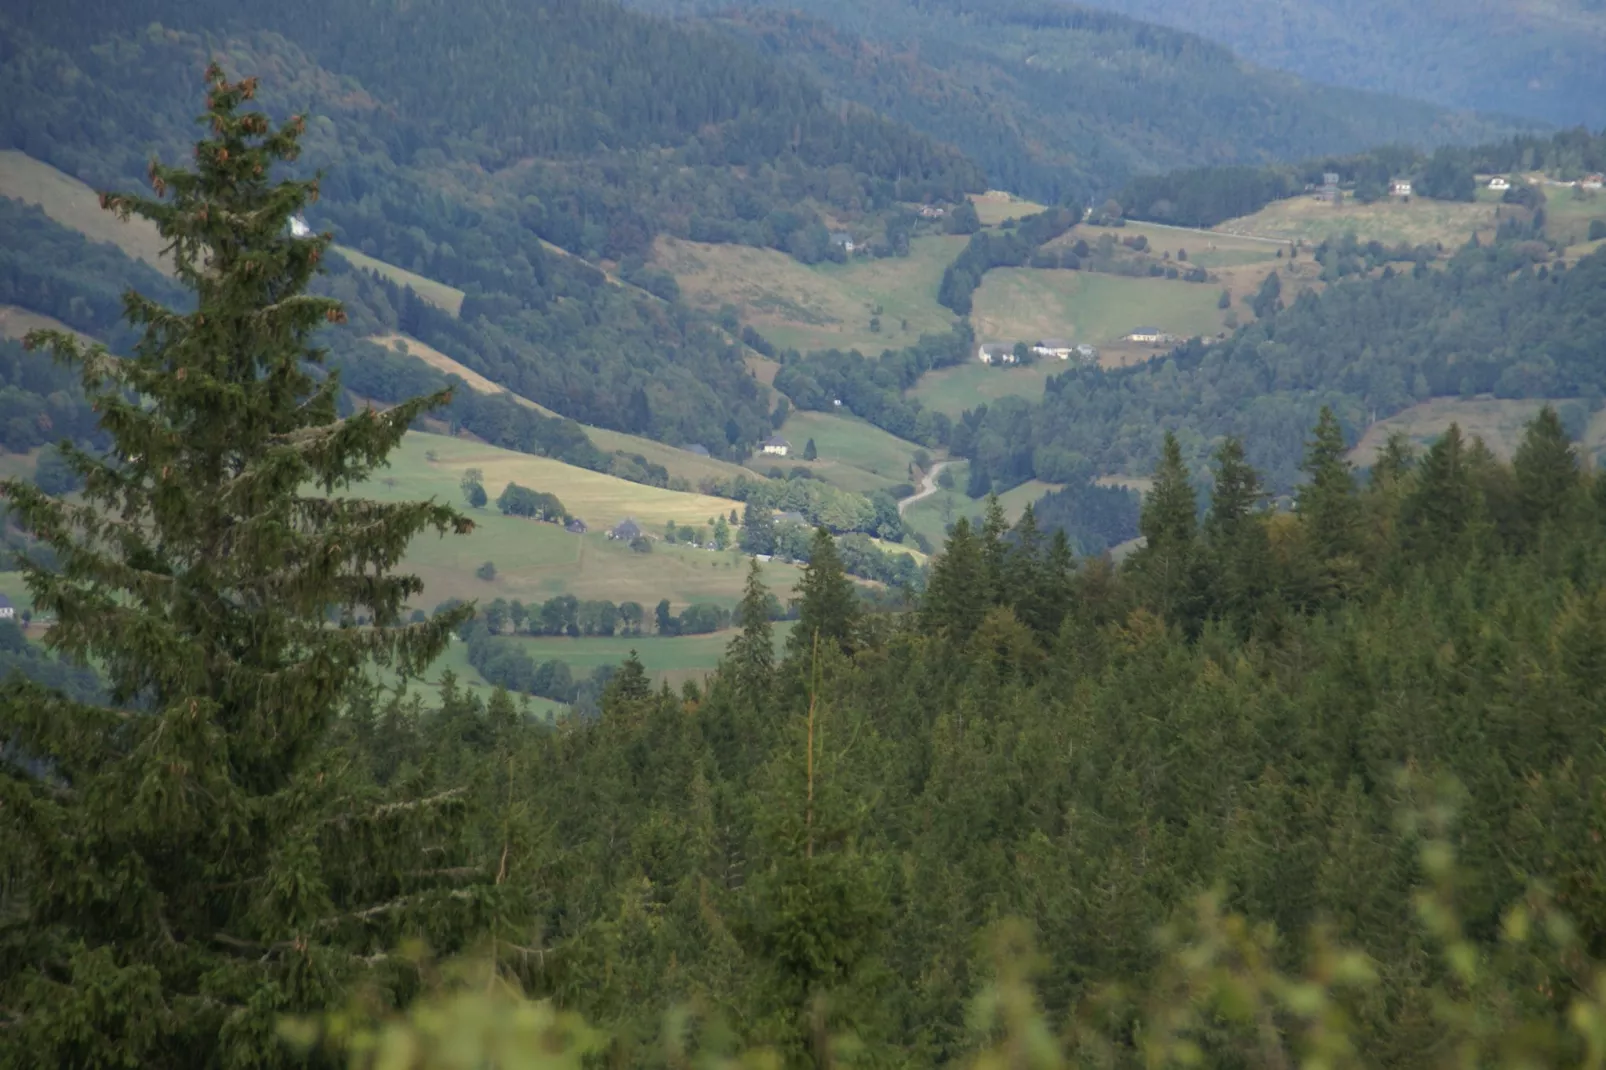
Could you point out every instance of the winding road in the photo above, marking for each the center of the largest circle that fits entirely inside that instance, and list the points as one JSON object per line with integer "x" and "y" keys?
{"x": 928, "y": 487}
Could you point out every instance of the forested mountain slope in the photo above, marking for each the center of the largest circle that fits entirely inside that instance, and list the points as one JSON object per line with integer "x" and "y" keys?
{"x": 1527, "y": 57}
{"x": 462, "y": 174}
{"x": 1061, "y": 102}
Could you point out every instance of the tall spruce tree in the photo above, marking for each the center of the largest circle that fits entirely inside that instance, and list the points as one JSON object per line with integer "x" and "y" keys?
{"x": 1546, "y": 470}
{"x": 1327, "y": 502}
{"x": 751, "y": 655}
{"x": 827, "y": 603}
{"x": 1165, "y": 567}
{"x": 956, "y": 594}
{"x": 192, "y": 859}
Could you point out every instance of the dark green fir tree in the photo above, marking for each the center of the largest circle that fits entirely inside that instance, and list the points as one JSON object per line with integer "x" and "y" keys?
{"x": 827, "y": 603}
{"x": 194, "y": 859}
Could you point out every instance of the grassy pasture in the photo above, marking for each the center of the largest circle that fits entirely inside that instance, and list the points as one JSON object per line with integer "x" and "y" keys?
{"x": 1418, "y": 221}
{"x": 953, "y": 390}
{"x": 820, "y": 306}
{"x": 1028, "y": 304}
{"x": 672, "y": 659}
{"x": 932, "y": 516}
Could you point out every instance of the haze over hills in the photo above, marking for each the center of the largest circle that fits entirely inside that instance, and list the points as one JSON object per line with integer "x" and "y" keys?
{"x": 1061, "y": 102}
{"x": 1545, "y": 58}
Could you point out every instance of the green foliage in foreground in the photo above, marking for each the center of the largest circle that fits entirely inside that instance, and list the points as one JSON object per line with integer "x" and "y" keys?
{"x": 798, "y": 862}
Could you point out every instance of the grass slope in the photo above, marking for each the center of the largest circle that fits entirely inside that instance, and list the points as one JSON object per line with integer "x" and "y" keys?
{"x": 73, "y": 204}
{"x": 16, "y": 322}
{"x": 932, "y": 516}
{"x": 1500, "y": 422}
{"x": 851, "y": 451}
{"x": 953, "y": 390}
{"x": 672, "y": 659}
{"x": 535, "y": 561}
{"x": 436, "y": 293}
{"x": 823, "y": 306}
{"x": 995, "y": 206}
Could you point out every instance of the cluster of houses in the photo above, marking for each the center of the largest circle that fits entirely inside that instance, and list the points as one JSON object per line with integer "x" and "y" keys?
{"x": 1004, "y": 352}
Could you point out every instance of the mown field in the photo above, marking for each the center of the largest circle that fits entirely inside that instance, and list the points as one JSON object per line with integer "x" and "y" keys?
{"x": 1418, "y": 221}
{"x": 1027, "y": 304}
{"x": 1568, "y": 212}
{"x": 15, "y": 323}
{"x": 953, "y": 390}
{"x": 822, "y": 306}
{"x": 672, "y": 659}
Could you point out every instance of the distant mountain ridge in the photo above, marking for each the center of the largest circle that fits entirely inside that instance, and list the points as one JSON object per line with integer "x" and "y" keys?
{"x": 1544, "y": 58}
{"x": 1066, "y": 103}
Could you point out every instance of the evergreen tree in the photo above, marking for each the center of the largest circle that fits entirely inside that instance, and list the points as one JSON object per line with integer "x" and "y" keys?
{"x": 1438, "y": 515}
{"x": 758, "y": 527}
{"x": 1170, "y": 513}
{"x": 1236, "y": 493}
{"x": 1024, "y": 588}
{"x": 827, "y": 603}
{"x": 810, "y": 452}
{"x": 1326, "y": 501}
{"x": 751, "y": 655}
{"x": 1546, "y": 471}
{"x": 995, "y": 550}
{"x": 194, "y": 860}
{"x": 956, "y": 594}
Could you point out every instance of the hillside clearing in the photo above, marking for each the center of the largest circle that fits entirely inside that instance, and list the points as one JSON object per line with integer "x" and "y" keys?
{"x": 1029, "y": 304}
{"x": 678, "y": 462}
{"x": 74, "y": 204}
{"x": 931, "y": 516}
{"x": 442, "y": 296}
{"x": 953, "y": 390}
{"x": 1418, "y": 221}
{"x": 822, "y": 306}
{"x": 1500, "y": 422}
{"x": 845, "y": 442}
{"x": 995, "y": 206}
{"x": 15, "y": 323}
{"x": 667, "y": 659}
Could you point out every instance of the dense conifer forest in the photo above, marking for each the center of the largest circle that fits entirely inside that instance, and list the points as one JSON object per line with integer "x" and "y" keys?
{"x": 1314, "y": 785}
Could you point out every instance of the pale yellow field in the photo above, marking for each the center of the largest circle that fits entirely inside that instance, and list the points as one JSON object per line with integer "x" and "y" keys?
{"x": 1417, "y": 222}
{"x": 995, "y": 206}
{"x": 17, "y": 322}
{"x": 74, "y": 204}
{"x": 1027, "y": 304}
{"x": 598, "y": 499}
{"x": 822, "y": 306}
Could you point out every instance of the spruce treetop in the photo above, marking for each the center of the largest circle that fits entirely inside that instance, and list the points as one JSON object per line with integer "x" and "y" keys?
{"x": 194, "y": 863}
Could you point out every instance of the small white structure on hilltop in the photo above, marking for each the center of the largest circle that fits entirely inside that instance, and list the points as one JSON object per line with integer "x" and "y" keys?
{"x": 1146, "y": 334}
{"x": 1400, "y": 187}
{"x": 1500, "y": 182}
{"x": 299, "y": 228}
{"x": 776, "y": 446}
{"x": 7, "y": 610}
{"x": 1054, "y": 347}
{"x": 996, "y": 353}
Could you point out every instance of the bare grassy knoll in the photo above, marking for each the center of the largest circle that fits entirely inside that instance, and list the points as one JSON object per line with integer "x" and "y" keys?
{"x": 953, "y": 390}
{"x": 822, "y": 306}
{"x": 1418, "y": 221}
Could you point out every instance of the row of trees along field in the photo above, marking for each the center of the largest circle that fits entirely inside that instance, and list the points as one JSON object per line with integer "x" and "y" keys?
{"x": 1312, "y": 787}
{"x": 1206, "y": 196}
